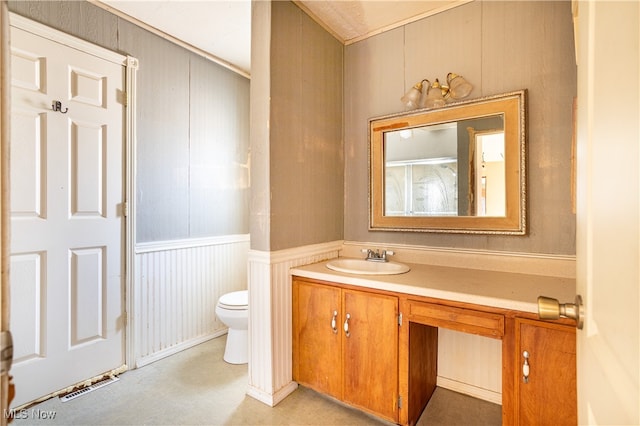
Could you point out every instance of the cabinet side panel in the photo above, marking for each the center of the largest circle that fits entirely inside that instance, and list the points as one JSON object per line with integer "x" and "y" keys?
{"x": 423, "y": 367}
{"x": 295, "y": 327}
{"x": 509, "y": 372}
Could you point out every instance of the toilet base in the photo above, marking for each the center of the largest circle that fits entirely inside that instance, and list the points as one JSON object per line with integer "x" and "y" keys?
{"x": 237, "y": 349}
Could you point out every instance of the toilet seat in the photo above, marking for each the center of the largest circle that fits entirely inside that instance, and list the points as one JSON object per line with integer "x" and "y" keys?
{"x": 235, "y": 301}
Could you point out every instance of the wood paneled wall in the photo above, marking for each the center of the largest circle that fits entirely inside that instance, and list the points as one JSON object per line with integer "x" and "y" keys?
{"x": 499, "y": 47}
{"x": 302, "y": 149}
{"x": 192, "y": 170}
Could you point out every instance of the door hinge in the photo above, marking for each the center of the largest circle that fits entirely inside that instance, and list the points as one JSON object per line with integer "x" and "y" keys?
{"x": 399, "y": 402}
{"x": 125, "y": 99}
{"x": 6, "y": 351}
{"x": 400, "y": 319}
{"x": 125, "y": 209}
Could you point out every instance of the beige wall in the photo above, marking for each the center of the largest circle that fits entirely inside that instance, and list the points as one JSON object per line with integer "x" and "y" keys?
{"x": 296, "y": 130}
{"x": 499, "y": 47}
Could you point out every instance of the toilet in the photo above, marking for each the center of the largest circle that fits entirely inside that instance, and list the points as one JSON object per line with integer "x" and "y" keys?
{"x": 233, "y": 310}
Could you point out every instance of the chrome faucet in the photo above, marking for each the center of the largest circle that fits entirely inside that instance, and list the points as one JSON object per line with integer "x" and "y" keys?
{"x": 377, "y": 256}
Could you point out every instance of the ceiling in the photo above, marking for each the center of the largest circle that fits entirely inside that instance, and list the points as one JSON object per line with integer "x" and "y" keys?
{"x": 222, "y": 28}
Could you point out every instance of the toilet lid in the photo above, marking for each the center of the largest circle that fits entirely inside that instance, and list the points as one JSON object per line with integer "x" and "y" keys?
{"x": 235, "y": 300}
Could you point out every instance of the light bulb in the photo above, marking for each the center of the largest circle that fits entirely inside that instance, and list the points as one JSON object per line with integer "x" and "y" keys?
{"x": 411, "y": 99}
{"x": 434, "y": 98}
{"x": 458, "y": 87}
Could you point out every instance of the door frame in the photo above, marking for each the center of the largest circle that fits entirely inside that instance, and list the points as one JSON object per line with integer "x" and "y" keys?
{"x": 129, "y": 144}
{"x": 5, "y": 132}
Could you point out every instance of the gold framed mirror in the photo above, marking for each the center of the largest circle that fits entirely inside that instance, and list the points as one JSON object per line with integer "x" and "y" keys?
{"x": 456, "y": 169}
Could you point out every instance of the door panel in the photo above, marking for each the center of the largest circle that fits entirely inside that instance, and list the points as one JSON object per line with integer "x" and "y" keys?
{"x": 27, "y": 270}
{"x": 28, "y": 171}
{"x": 67, "y": 227}
{"x": 28, "y": 70}
{"x": 88, "y": 284}
{"x": 88, "y": 183}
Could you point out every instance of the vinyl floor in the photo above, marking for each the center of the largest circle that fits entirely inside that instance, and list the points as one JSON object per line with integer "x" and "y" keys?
{"x": 196, "y": 387}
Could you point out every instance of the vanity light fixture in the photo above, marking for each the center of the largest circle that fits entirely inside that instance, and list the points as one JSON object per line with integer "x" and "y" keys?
{"x": 457, "y": 87}
{"x": 406, "y": 133}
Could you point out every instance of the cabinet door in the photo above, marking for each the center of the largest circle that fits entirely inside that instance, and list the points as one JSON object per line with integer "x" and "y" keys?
{"x": 370, "y": 365}
{"x": 549, "y": 394}
{"x": 317, "y": 347}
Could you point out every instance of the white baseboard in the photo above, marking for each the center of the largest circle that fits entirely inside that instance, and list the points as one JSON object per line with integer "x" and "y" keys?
{"x": 272, "y": 399}
{"x": 177, "y": 348}
{"x": 466, "y": 389}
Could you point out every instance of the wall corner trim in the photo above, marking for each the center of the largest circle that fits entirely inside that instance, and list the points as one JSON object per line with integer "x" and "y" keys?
{"x": 153, "y": 246}
{"x": 278, "y": 256}
{"x": 270, "y": 317}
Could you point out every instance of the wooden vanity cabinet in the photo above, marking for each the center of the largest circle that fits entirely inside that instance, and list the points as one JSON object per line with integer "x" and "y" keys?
{"x": 380, "y": 363}
{"x": 354, "y": 360}
{"x": 548, "y": 395}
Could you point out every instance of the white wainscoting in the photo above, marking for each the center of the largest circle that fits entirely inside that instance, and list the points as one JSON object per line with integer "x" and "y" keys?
{"x": 177, "y": 285}
{"x": 470, "y": 364}
{"x": 270, "y": 318}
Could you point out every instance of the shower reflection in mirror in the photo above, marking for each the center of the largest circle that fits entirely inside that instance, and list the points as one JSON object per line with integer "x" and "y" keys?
{"x": 447, "y": 169}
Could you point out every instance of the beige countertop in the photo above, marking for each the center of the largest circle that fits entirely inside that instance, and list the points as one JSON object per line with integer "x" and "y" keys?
{"x": 497, "y": 289}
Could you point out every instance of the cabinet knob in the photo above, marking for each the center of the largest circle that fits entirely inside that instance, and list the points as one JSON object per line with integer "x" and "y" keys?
{"x": 334, "y": 322}
{"x": 549, "y": 308}
{"x": 525, "y": 367}
{"x": 346, "y": 325}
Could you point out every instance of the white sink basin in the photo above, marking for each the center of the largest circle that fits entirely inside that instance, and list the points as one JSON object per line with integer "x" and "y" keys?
{"x": 367, "y": 267}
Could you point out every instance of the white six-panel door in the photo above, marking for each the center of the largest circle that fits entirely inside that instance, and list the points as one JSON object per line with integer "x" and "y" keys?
{"x": 67, "y": 224}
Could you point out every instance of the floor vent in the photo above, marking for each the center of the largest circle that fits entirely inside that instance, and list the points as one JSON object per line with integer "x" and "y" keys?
{"x": 85, "y": 390}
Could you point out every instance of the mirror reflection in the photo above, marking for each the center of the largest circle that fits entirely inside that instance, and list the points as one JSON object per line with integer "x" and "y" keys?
{"x": 455, "y": 169}
{"x": 449, "y": 169}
